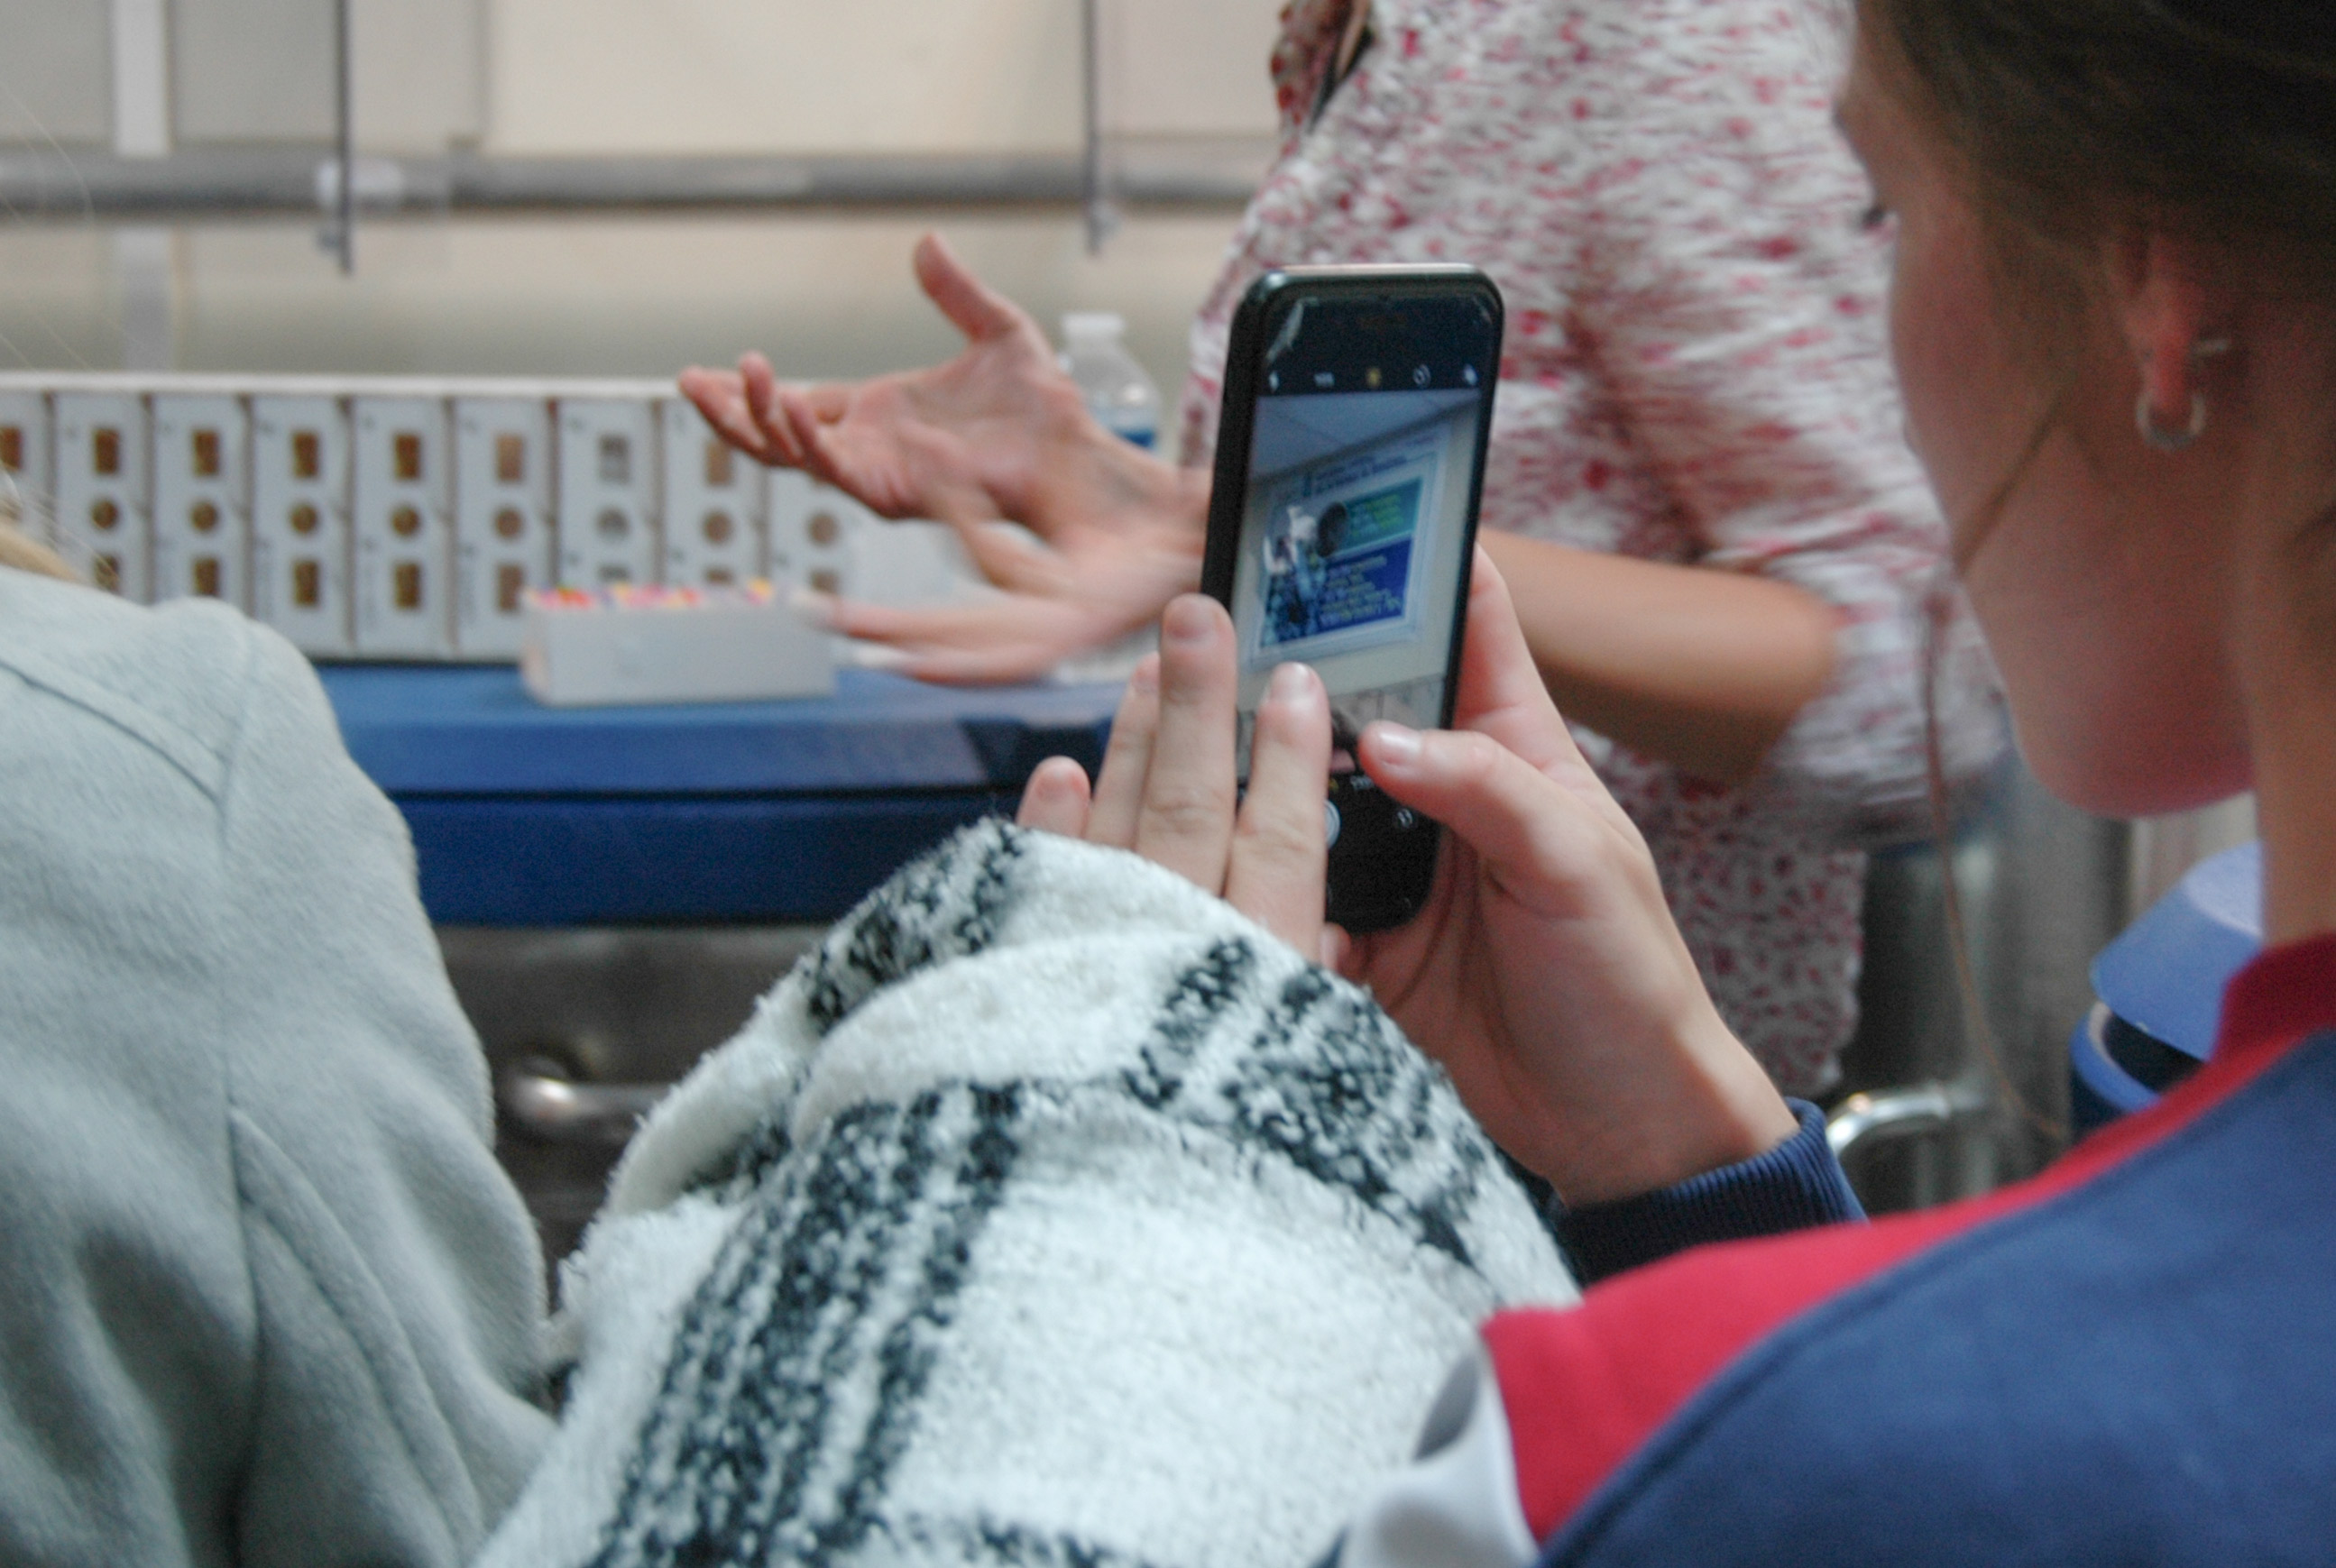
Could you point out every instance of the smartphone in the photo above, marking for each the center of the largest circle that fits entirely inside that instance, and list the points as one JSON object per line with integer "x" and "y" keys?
{"x": 1350, "y": 459}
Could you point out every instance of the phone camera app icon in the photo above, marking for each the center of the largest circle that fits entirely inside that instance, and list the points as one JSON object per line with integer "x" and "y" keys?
{"x": 1419, "y": 376}
{"x": 1404, "y": 818}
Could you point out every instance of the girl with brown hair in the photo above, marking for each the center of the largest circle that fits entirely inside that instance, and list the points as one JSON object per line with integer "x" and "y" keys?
{"x": 2113, "y": 318}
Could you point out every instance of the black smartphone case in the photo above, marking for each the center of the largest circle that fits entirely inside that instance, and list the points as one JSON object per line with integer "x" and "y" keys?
{"x": 1379, "y": 874}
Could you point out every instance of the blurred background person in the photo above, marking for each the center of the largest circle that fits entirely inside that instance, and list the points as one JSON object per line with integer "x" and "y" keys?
{"x": 1722, "y": 553}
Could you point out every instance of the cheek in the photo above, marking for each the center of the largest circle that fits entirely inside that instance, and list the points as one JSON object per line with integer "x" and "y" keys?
{"x": 1969, "y": 409}
{"x": 2097, "y": 619}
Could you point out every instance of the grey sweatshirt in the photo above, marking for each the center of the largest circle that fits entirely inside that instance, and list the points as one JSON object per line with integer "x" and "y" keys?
{"x": 265, "y": 1295}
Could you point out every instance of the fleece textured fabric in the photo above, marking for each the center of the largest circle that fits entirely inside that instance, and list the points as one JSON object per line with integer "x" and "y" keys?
{"x": 265, "y": 1295}
{"x": 1050, "y": 1213}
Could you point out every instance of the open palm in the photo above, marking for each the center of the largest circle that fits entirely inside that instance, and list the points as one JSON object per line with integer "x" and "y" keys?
{"x": 1086, "y": 535}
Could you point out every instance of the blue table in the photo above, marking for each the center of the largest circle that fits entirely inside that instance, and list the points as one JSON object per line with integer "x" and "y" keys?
{"x": 523, "y": 815}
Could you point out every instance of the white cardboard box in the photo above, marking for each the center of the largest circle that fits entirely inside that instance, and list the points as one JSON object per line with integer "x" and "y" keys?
{"x": 629, "y": 645}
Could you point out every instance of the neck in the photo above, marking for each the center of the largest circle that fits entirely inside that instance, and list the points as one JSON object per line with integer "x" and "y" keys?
{"x": 2284, "y": 630}
{"x": 2293, "y": 744}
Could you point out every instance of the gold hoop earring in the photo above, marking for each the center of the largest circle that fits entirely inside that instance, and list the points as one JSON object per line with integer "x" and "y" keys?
{"x": 2145, "y": 420}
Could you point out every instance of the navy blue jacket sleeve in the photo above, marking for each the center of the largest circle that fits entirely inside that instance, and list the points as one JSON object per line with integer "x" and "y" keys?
{"x": 1793, "y": 1185}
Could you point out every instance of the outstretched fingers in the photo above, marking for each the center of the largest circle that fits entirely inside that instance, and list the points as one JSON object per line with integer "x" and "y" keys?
{"x": 721, "y": 396}
{"x": 978, "y": 311}
{"x": 765, "y": 406}
{"x": 1007, "y": 555}
{"x": 809, "y": 419}
{"x": 985, "y": 640}
{"x": 998, "y": 664}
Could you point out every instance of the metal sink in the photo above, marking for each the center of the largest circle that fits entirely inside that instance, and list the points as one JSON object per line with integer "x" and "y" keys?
{"x": 584, "y": 1028}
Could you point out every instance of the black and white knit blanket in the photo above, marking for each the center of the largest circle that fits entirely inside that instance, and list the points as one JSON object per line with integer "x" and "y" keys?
{"x": 1050, "y": 1213}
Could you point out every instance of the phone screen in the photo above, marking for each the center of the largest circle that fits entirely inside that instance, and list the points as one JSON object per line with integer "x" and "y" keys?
{"x": 1365, "y": 439}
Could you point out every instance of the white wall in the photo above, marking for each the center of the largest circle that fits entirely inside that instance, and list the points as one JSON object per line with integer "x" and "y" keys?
{"x": 744, "y": 75}
{"x": 824, "y": 293}
{"x": 875, "y": 75}
{"x": 56, "y": 82}
{"x": 248, "y": 72}
{"x": 827, "y": 297}
{"x": 583, "y": 76}
{"x": 1188, "y": 67}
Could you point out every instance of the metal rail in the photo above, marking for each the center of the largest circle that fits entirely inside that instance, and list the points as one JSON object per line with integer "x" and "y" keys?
{"x": 1883, "y": 1116}
{"x": 539, "y": 1097}
{"x": 344, "y": 232}
{"x": 1094, "y": 195}
{"x": 216, "y": 183}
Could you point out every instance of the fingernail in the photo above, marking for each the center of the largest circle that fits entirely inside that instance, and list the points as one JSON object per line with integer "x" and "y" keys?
{"x": 1290, "y": 684}
{"x": 1187, "y": 620}
{"x": 1396, "y": 743}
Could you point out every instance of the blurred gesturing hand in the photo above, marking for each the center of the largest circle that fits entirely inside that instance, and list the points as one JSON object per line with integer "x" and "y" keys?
{"x": 996, "y": 435}
{"x": 1545, "y": 972}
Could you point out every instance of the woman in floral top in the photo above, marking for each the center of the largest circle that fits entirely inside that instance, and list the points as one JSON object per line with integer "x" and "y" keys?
{"x": 1723, "y": 555}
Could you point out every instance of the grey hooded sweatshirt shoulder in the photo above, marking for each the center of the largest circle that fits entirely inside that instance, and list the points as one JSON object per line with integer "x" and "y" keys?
{"x": 265, "y": 1295}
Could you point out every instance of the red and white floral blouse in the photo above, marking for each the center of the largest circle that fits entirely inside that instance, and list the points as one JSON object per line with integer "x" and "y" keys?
{"x": 1694, "y": 371}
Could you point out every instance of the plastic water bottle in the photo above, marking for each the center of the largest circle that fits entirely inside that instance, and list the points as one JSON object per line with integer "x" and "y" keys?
{"x": 1124, "y": 400}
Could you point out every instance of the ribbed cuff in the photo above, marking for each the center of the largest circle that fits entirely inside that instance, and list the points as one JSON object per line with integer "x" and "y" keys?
{"x": 1796, "y": 1184}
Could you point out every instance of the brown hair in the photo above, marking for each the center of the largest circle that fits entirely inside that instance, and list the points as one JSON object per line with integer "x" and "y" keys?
{"x": 2215, "y": 118}
{"x": 2072, "y": 120}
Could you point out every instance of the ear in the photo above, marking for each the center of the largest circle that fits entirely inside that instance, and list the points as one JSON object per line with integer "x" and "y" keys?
{"x": 2164, "y": 302}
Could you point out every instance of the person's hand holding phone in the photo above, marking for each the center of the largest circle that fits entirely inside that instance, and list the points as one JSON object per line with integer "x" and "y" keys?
{"x": 1166, "y": 788}
{"x": 1545, "y": 972}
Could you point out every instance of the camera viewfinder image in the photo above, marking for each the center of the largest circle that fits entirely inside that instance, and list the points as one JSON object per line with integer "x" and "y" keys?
{"x": 1356, "y": 513}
